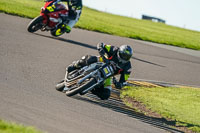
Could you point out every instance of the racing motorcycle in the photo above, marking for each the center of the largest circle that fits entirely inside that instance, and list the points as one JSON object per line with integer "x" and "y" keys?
{"x": 85, "y": 79}
{"x": 51, "y": 18}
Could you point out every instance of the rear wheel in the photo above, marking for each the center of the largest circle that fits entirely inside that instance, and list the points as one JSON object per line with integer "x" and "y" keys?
{"x": 35, "y": 24}
{"x": 59, "y": 31}
{"x": 85, "y": 85}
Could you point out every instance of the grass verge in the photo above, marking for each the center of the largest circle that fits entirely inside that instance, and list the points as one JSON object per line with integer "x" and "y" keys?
{"x": 6, "y": 127}
{"x": 114, "y": 24}
{"x": 179, "y": 104}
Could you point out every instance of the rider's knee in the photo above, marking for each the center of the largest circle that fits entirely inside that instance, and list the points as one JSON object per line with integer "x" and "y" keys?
{"x": 102, "y": 93}
{"x": 105, "y": 94}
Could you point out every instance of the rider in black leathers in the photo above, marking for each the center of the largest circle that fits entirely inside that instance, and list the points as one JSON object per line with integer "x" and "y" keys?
{"x": 120, "y": 55}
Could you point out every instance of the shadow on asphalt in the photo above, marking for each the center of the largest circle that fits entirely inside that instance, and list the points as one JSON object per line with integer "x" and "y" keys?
{"x": 115, "y": 104}
{"x": 92, "y": 47}
{"x": 147, "y": 61}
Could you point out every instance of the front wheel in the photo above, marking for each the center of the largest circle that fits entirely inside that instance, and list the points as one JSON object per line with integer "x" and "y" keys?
{"x": 35, "y": 24}
{"x": 85, "y": 85}
{"x": 60, "y": 86}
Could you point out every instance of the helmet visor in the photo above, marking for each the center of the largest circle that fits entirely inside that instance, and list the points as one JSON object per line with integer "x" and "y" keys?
{"x": 123, "y": 58}
{"x": 125, "y": 55}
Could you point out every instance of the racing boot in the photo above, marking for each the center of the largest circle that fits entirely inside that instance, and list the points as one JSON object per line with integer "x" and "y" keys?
{"x": 76, "y": 65}
{"x": 85, "y": 60}
{"x": 104, "y": 91}
{"x": 68, "y": 29}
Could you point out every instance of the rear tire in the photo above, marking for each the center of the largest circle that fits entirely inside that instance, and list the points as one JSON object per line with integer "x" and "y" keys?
{"x": 35, "y": 24}
{"x": 86, "y": 85}
{"x": 53, "y": 33}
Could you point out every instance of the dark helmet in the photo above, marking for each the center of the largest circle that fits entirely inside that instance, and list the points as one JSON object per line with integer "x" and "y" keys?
{"x": 124, "y": 53}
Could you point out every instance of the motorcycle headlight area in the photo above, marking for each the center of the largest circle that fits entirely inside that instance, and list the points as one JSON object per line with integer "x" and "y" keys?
{"x": 43, "y": 9}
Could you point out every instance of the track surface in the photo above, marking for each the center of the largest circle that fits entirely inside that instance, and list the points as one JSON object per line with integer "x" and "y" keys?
{"x": 31, "y": 64}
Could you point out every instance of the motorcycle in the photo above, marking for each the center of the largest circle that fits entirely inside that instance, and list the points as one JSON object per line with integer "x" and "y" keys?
{"x": 51, "y": 19}
{"x": 83, "y": 80}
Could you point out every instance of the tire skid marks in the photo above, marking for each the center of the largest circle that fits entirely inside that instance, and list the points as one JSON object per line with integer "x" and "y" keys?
{"x": 116, "y": 104}
{"x": 143, "y": 83}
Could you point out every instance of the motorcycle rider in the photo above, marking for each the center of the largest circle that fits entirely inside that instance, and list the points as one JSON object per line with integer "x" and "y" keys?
{"x": 75, "y": 8}
{"x": 120, "y": 55}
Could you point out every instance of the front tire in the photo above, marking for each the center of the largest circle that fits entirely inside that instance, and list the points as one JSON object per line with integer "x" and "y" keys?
{"x": 84, "y": 86}
{"x": 35, "y": 24}
{"x": 60, "y": 86}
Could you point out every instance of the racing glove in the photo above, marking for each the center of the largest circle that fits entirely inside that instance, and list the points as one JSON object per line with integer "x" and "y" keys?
{"x": 100, "y": 49}
{"x": 118, "y": 85}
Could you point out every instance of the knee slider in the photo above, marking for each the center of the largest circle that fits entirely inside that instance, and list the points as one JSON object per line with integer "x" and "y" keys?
{"x": 106, "y": 94}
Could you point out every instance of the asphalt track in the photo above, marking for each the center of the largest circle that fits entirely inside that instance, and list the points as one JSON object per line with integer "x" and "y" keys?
{"x": 31, "y": 64}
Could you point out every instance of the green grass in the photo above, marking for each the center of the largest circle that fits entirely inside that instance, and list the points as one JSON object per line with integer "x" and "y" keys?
{"x": 24, "y": 8}
{"x": 114, "y": 24}
{"x": 7, "y": 127}
{"x": 139, "y": 29}
{"x": 180, "y": 104}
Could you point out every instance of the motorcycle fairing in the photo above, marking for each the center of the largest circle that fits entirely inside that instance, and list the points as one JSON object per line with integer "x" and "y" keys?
{"x": 53, "y": 10}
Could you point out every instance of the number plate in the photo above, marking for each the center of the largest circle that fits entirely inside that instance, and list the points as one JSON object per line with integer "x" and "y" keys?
{"x": 106, "y": 70}
{"x": 51, "y": 8}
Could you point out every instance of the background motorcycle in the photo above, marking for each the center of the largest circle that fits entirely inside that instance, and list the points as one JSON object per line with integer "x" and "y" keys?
{"x": 51, "y": 18}
{"x": 87, "y": 78}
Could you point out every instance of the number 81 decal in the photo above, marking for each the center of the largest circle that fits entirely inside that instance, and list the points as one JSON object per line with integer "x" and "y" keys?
{"x": 51, "y": 8}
